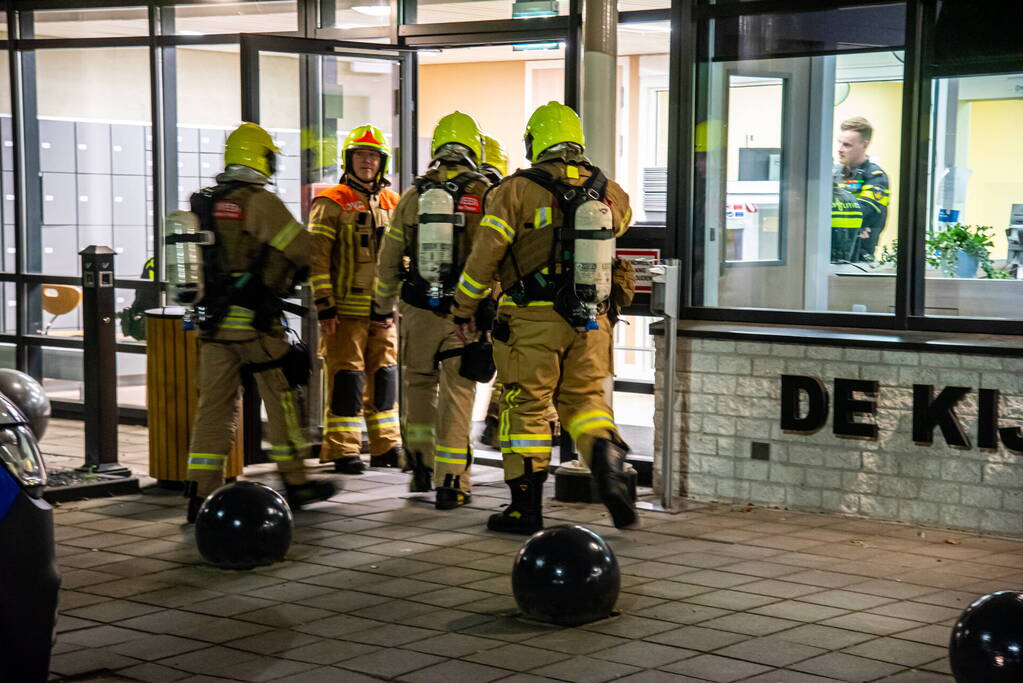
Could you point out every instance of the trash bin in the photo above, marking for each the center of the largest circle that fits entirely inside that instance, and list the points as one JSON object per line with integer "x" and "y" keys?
{"x": 171, "y": 398}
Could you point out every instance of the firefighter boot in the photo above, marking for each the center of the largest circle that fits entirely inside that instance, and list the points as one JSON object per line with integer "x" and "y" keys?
{"x": 525, "y": 513}
{"x": 349, "y": 464}
{"x": 311, "y": 491}
{"x": 391, "y": 458}
{"x": 194, "y": 501}
{"x": 607, "y": 463}
{"x": 422, "y": 476}
{"x": 450, "y": 495}
{"x": 489, "y": 436}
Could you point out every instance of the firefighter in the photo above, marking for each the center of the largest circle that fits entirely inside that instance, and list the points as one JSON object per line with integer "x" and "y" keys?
{"x": 424, "y": 249}
{"x": 495, "y": 167}
{"x": 547, "y": 237}
{"x": 864, "y": 180}
{"x": 256, "y": 254}
{"x": 360, "y": 351}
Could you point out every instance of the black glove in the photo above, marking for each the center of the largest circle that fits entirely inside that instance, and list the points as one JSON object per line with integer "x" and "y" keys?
{"x": 459, "y": 321}
{"x": 380, "y": 317}
{"x": 485, "y": 314}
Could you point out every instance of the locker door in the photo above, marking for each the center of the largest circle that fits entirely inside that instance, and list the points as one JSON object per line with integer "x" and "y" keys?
{"x": 60, "y": 249}
{"x": 94, "y": 205}
{"x": 60, "y": 199}
{"x": 56, "y": 146}
{"x": 127, "y": 143}
{"x": 131, "y": 247}
{"x": 92, "y": 147}
{"x": 129, "y": 200}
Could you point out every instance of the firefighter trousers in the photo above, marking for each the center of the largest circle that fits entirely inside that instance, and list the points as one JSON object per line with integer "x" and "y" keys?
{"x": 219, "y": 377}
{"x": 437, "y": 402}
{"x": 360, "y": 361}
{"x": 545, "y": 360}
{"x": 494, "y": 406}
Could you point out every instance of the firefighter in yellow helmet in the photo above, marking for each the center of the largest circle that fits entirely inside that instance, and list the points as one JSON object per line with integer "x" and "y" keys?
{"x": 257, "y": 253}
{"x": 360, "y": 351}
{"x": 431, "y": 233}
{"x": 495, "y": 167}
{"x": 548, "y": 238}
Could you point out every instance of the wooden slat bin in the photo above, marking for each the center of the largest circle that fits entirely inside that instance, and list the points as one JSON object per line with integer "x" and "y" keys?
{"x": 171, "y": 396}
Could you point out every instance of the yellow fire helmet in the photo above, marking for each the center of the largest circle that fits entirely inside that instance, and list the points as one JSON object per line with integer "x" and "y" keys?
{"x": 367, "y": 137}
{"x": 494, "y": 154}
{"x": 552, "y": 124}
{"x": 249, "y": 145}
{"x": 460, "y": 128}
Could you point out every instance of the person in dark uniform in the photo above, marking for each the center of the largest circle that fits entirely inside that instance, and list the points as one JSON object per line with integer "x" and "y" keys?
{"x": 864, "y": 180}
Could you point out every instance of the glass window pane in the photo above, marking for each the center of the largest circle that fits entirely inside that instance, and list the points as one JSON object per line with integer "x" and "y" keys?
{"x": 8, "y": 262}
{"x": 642, "y": 164}
{"x": 351, "y": 14}
{"x": 974, "y": 244}
{"x": 509, "y": 82}
{"x": 131, "y": 379}
{"x": 442, "y": 12}
{"x": 101, "y": 22}
{"x": 275, "y": 16}
{"x": 56, "y": 310}
{"x": 797, "y": 170}
{"x": 63, "y": 374}
{"x": 9, "y": 311}
{"x": 94, "y": 116}
{"x": 8, "y": 359}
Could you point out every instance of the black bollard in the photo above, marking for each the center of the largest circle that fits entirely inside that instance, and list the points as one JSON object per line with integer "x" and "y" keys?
{"x": 100, "y": 362}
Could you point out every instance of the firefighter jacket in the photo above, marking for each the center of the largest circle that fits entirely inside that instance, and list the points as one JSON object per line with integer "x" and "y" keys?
{"x": 258, "y": 238}
{"x": 519, "y": 205}
{"x": 869, "y": 185}
{"x": 399, "y": 245}
{"x": 346, "y": 223}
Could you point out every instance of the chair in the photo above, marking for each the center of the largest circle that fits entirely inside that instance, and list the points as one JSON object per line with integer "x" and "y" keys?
{"x": 59, "y": 300}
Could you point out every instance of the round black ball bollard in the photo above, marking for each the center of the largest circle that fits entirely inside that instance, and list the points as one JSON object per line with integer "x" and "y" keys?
{"x": 243, "y": 525}
{"x": 987, "y": 641}
{"x": 566, "y": 575}
{"x": 30, "y": 397}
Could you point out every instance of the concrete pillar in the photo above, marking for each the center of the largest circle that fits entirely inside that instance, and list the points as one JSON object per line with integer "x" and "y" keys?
{"x": 600, "y": 82}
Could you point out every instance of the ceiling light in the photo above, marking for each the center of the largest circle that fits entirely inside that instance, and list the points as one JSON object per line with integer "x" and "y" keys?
{"x": 537, "y": 46}
{"x": 528, "y": 9}
{"x": 379, "y": 10}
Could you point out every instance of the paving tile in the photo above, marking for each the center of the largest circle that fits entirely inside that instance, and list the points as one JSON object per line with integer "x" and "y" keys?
{"x": 846, "y": 667}
{"x": 100, "y": 636}
{"x": 454, "y": 645}
{"x": 846, "y": 599}
{"x": 272, "y": 642}
{"x": 799, "y": 611}
{"x": 153, "y": 647}
{"x": 150, "y": 672}
{"x": 630, "y": 626}
{"x": 669, "y": 590}
{"x": 788, "y": 676}
{"x": 326, "y": 651}
{"x": 586, "y": 670}
{"x": 282, "y": 615}
{"x": 86, "y": 661}
{"x": 213, "y": 660}
{"x": 391, "y": 662}
{"x": 911, "y": 676}
{"x": 517, "y": 657}
{"x": 870, "y": 623}
{"x": 825, "y": 637}
{"x": 896, "y": 651}
{"x": 455, "y": 671}
{"x": 390, "y": 635}
{"x": 931, "y": 635}
{"x": 772, "y": 651}
{"x": 683, "y": 612}
{"x": 575, "y": 641}
{"x": 750, "y": 624}
{"x": 891, "y": 589}
{"x": 732, "y": 600}
{"x": 696, "y": 638}
{"x": 715, "y": 668}
{"x": 644, "y": 654}
{"x": 778, "y": 589}
{"x": 917, "y": 611}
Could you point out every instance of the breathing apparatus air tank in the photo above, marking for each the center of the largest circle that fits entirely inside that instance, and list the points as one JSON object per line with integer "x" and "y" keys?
{"x": 593, "y": 256}
{"x": 435, "y": 241}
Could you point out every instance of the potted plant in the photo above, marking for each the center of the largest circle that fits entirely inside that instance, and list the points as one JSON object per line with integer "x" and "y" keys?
{"x": 959, "y": 250}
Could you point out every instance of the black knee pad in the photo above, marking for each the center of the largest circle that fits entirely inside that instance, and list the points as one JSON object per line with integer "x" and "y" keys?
{"x": 385, "y": 387}
{"x": 349, "y": 386}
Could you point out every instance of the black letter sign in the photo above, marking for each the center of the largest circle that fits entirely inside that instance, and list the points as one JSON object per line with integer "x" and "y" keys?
{"x": 941, "y": 413}
{"x": 846, "y": 408}
{"x": 987, "y": 419}
{"x": 816, "y": 415}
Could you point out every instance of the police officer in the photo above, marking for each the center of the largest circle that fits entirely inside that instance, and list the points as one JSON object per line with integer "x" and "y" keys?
{"x": 846, "y": 224}
{"x": 864, "y": 180}
{"x": 553, "y": 338}
{"x": 360, "y": 351}
{"x": 257, "y": 255}
{"x": 431, "y": 232}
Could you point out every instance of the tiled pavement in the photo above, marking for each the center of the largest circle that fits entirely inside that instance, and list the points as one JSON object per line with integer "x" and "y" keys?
{"x": 377, "y": 586}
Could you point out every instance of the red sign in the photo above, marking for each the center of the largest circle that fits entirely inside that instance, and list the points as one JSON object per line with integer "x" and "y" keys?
{"x": 641, "y": 260}
{"x": 228, "y": 210}
{"x": 469, "y": 204}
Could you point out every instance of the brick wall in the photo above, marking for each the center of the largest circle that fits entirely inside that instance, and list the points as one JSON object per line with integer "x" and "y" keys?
{"x": 727, "y": 397}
